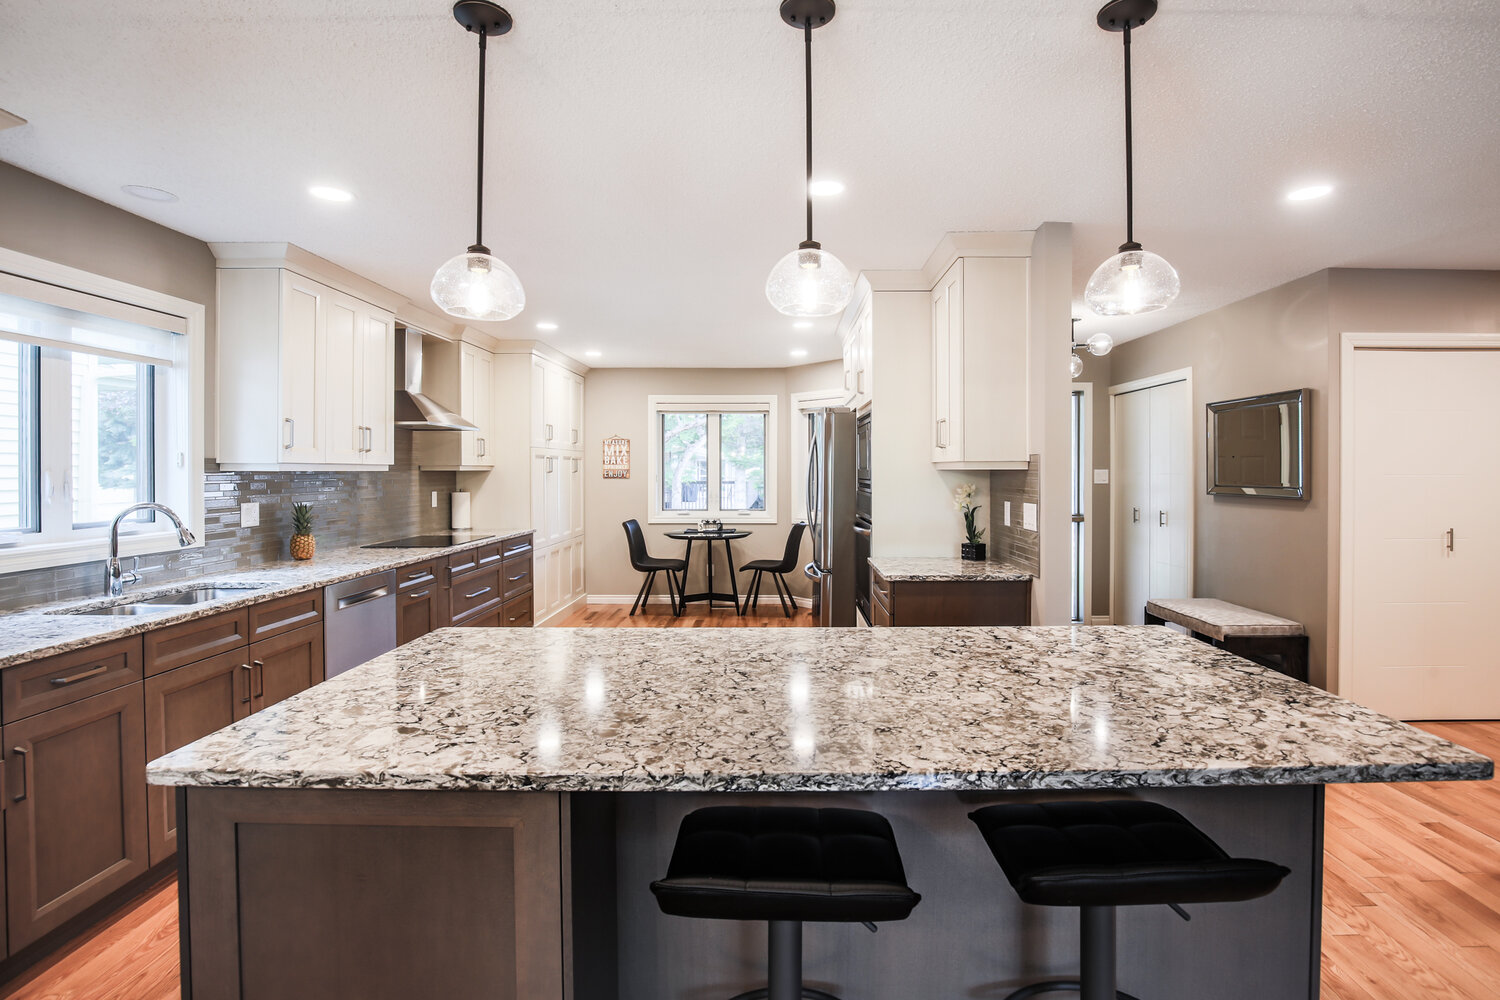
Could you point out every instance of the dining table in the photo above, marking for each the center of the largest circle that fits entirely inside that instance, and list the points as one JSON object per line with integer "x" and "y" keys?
{"x": 726, "y": 535}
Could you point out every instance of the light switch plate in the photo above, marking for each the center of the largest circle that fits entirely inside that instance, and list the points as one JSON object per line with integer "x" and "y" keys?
{"x": 249, "y": 515}
{"x": 1101, "y": 477}
{"x": 1007, "y": 513}
{"x": 1028, "y": 516}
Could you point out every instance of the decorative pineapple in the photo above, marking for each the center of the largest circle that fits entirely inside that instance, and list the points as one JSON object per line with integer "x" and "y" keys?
{"x": 303, "y": 542}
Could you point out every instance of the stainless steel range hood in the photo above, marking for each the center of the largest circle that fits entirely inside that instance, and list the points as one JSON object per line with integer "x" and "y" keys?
{"x": 415, "y": 410}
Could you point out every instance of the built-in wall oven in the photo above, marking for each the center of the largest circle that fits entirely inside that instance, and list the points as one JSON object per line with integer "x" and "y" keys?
{"x": 863, "y": 510}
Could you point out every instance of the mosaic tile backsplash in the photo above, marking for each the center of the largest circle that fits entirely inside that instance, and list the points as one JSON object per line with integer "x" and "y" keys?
{"x": 349, "y": 508}
{"x": 1013, "y": 543}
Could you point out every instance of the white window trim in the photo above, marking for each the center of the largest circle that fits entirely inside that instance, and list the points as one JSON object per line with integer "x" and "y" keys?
{"x": 803, "y": 403}
{"x": 179, "y": 422}
{"x": 656, "y": 405}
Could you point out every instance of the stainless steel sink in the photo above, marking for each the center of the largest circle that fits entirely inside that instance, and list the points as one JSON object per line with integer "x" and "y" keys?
{"x": 159, "y": 603}
{"x": 197, "y": 595}
{"x": 120, "y": 609}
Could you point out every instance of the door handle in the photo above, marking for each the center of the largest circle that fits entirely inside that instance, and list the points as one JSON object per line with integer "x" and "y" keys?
{"x": 1450, "y": 541}
{"x": 1161, "y": 519}
{"x": 25, "y": 755}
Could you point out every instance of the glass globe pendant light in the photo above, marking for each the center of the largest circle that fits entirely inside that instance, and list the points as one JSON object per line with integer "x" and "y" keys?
{"x": 477, "y": 285}
{"x": 1135, "y": 280}
{"x": 809, "y": 281}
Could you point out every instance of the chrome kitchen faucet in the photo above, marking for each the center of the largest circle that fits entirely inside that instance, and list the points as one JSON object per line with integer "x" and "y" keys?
{"x": 114, "y": 578}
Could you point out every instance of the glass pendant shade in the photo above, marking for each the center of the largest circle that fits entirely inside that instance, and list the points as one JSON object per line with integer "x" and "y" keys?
{"x": 1075, "y": 365}
{"x": 478, "y": 286}
{"x": 809, "y": 282}
{"x": 1132, "y": 282}
{"x": 1100, "y": 344}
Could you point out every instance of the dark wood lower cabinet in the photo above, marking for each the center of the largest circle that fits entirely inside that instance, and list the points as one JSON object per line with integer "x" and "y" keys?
{"x": 417, "y": 613}
{"x": 75, "y": 819}
{"x": 286, "y": 665}
{"x": 949, "y": 602}
{"x": 183, "y": 705}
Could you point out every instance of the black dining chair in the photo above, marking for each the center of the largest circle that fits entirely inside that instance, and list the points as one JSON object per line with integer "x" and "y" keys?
{"x": 643, "y": 562}
{"x": 778, "y": 568}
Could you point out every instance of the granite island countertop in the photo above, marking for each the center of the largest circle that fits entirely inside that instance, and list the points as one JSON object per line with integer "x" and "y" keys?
{"x": 36, "y": 632}
{"x": 942, "y": 569}
{"x": 814, "y": 710}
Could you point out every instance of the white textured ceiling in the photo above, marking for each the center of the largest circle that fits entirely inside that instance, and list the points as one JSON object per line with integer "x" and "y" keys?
{"x": 645, "y": 155}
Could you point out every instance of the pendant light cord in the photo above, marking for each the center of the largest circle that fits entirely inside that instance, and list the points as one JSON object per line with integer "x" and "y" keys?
{"x": 1130, "y": 243}
{"x": 479, "y": 186}
{"x": 807, "y": 51}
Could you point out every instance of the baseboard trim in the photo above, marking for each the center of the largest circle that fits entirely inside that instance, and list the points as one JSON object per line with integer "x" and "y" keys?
{"x": 801, "y": 602}
{"x": 565, "y": 610}
{"x": 1101, "y": 620}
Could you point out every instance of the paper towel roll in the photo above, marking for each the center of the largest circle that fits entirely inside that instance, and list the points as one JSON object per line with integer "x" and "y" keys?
{"x": 461, "y": 516}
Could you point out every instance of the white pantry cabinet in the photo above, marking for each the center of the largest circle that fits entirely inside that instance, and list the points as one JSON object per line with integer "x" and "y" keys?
{"x": 980, "y": 344}
{"x": 306, "y": 374}
{"x": 556, "y": 406}
{"x": 859, "y": 356}
{"x": 463, "y": 376}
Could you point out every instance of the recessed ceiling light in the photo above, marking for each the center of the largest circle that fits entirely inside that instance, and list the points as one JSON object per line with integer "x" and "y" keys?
{"x": 802, "y": 324}
{"x": 546, "y": 324}
{"x": 592, "y": 354}
{"x": 798, "y": 352}
{"x": 329, "y": 193}
{"x": 148, "y": 193}
{"x": 825, "y": 188}
{"x": 1310, "y": 192}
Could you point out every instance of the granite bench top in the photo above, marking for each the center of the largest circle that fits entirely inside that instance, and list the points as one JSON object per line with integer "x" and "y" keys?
{"x": 1220, "y": 619}
{"x": 811, "y": 709}
{"x": 942, "y": 569}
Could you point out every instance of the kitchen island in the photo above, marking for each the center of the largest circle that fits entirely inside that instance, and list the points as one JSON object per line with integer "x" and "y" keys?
{"x": 480, "y": 812}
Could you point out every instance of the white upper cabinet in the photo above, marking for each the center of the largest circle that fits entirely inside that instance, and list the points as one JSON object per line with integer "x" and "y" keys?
{"x": 556, "y": 406}
{"x": 306, "y": 373}
{"x": 858, "y": 357}
{"x": 980, "y": 338}
{"x": 461, "y": 376}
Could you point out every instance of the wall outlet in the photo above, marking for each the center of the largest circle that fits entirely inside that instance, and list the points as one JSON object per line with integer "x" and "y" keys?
{"x": 1007, "y": 513}
{"x": 1101, "y": 477}
{"x": 434, "y": 498}
{"x": 249, "y": 515}
{"x": 1028, "y": 516}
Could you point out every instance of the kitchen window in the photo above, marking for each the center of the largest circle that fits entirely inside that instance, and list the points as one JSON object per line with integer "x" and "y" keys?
{"x": 713, "y": 457}
{"x": 101, "y": 407}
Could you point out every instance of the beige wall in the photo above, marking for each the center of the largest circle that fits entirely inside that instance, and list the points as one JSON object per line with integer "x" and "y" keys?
{"x": 1265, "y": 554}
{"x": 1097, "y": 374}
{"x": 55, "y": 223}
{"x": 615, "y": 404}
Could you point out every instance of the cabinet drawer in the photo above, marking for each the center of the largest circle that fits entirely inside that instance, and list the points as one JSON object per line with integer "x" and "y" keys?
{"x": 474, "y": 560}
{"x": 880, "y": 614}
{"x": 517, "y": 613}
{"x": 176, "y": 645}
{"x": 515, "y": 573}
{"x": 473, "y": 592}
{"x": 880, "y": 588}
{"x": 412, "y": 577}
{"x": 286, "y": 613}
{"x": 59, "y": 680}
{"x": 516, "y": 546}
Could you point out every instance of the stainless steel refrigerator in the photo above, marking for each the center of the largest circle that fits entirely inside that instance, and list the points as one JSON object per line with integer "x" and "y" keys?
{"x": 830, "y": 514}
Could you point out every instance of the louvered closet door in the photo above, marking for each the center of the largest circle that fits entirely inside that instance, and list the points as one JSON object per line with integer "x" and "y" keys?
{"x": 1426, "y": 459}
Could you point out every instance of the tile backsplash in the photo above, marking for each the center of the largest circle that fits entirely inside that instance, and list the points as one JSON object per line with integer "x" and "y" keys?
{"x": 349, "y": 508}
{"x": 1015, "y": 544}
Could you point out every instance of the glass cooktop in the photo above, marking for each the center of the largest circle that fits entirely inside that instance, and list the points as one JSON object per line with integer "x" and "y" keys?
{"x": 437, "y": 540}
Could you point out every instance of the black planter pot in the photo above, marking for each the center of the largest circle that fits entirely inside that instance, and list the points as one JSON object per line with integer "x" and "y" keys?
{"x": 972, "y": 552}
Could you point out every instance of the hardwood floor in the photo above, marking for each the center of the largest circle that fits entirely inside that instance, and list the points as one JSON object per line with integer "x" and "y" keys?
{"x": 768, "y": 615}
{"x": 1411, "y": 889}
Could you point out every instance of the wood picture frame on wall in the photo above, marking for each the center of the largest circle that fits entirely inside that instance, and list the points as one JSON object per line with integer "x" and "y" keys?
{"x": 616, "y": 458}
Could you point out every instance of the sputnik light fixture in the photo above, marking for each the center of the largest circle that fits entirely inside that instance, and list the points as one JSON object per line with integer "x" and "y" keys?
{"x": 1135, "y": 280}
{"x": 809, "y": 281}
{"x": 476, "y": 284}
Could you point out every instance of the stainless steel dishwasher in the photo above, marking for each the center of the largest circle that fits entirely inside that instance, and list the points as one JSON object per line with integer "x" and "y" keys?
{"x": 359, "y": 621}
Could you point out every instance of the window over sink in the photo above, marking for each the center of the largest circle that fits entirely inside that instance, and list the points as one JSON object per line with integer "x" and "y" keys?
{"x": 101, "y": 407}
{"x": 713, "y": 457}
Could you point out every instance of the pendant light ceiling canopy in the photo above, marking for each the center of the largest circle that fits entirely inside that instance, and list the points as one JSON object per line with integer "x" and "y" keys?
{"x": 1135, "y": 280}
{"x": 476, "y": 285}
{"x": 809, "y": 281}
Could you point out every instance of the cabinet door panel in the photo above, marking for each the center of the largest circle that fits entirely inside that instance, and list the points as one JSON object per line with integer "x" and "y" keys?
{"x": 303, "y": 357}
{"x": 575, "y": 496}
{"x": 575, "y": 401}
{"x": 342, "y": 418}
{"x": 377, "y": 387}
{"x": 286, "y": 665}
{"x": 538, "y": 404}
{"x": 75, "y": 828}
{"x": 184, "y": 705}
{"x": 416, "y": 614}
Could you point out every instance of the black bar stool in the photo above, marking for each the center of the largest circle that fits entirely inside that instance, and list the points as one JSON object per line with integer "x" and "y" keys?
{"x": 778, "y": 568}
{"x": 785, "y": 865}
{"x": 643, "y": 562}
{"x": 1101, "y": 855}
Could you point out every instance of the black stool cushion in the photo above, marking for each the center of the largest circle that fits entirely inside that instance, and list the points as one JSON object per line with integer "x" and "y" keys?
{"x": 1116, "y": 853}
{"x": 785, "y": 863}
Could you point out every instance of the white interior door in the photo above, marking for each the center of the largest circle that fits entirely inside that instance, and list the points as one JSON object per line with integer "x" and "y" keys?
{"x": 1153, "y": 497}
{"x": 1426, "y": 471}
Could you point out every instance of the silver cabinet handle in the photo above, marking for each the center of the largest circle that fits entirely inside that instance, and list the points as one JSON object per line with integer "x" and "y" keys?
{"x": 575, "y": 441}
{"x": 249, "y": 684}
{"x": 1135, "y": 515}
{"x": 418, "y": 595}
{"x": 549, "y": 432}
{"x": 369, "y": 439}
{"x": 291, "y": 436}
{"x": 25, "y": 754}
{"x": 91, "y": 672}
{"x": 1450, "y": 539}
{"x": 477, "y": 593}
{"x": 367, "y": 596}
{"x": 484, "y": 448}
{"x": 1161, "y": 519}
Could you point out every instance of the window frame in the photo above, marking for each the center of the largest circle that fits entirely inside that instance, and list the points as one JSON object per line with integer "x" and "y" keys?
{"x": 179, "y": 446}
{"x": 770, "y": 405}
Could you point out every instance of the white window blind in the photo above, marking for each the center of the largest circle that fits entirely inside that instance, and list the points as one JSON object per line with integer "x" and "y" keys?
{"x": 34, "y": 312}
